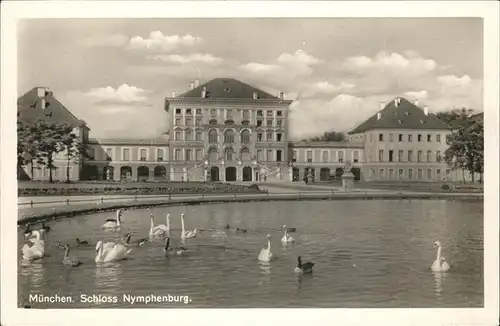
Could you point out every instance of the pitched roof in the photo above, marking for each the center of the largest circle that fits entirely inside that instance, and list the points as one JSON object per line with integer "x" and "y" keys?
{"x": 405, "y": 115}
{"x": 227, "y": 88}
{"x": 30, "y": 108}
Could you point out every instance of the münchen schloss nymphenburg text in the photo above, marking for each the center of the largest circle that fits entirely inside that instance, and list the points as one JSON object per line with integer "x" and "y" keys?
{"x": 99, "y": 298}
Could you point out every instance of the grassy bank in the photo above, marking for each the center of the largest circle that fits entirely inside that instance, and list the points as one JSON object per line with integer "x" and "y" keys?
{"x": 435, "y": 187}
{"x": 132, "y": 188}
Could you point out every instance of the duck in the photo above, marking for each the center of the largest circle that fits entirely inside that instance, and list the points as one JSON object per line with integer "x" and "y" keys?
{"x": 306, "y": 268}
{"x": 227, "y": 227}
{"x": 139, "y": 242}
{"x": 115, "y": 253}
{"x": 60, "y": 245}
{"x": 81, "y": 242}
{"x": 36, "y": 250}
{"x": 440, "y": 264}
{"x": 114, "y": 223}
{"x": 187, "y": 234}
{"x": 290, "y": 230}
{"x": 287, "y": 238}
{"x": 159, "y": 230}
{"x": 265, "y": 253}
{"x": 167, "y": 250}
{"x": 68, "y": 260}
{"x": 241, "y": 230}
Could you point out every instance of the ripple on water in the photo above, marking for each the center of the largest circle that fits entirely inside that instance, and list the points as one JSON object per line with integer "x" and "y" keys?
{"x": 367, "y": 254}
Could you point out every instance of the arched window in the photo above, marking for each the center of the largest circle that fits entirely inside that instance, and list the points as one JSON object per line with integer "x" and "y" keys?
{"x": 269, "y": 134}
{"x": 212, "y": 154}
{"x": 212, "y": 136}
{"x": 199, "y": 135}
{"x": 229, "y": 154}
{"x": 245, "y": 137}
{"x": 189, "y": 134}
{"x": 245, "y": 154}
{"x": 229, "y": 137}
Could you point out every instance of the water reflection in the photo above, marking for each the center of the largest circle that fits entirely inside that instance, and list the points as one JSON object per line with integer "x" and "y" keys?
{"x": 439, "y": 278}
{"x": 108, "y": 275}
{"x": 33, "y": 271}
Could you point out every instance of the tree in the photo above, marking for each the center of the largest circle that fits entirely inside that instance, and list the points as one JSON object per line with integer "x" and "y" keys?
{"x": 454, "y": 118}
{"x": 75, "y": 150}
{"x": 28, "y": 140}
{"x": 330, "y": 136}
{"x": 466, "y": 147}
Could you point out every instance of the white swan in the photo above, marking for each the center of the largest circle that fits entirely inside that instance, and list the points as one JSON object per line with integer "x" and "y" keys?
{"x": 287, "y": 238}
{"x": 187, "y": 234}
{"x": 35, "y": 251}
{"x": 159, "y": 230}
{"x": 440, "y": 264}
{"x": 265, "y": 253}
{"x": 117, "y": 252}
{"x": 113, "y": 223}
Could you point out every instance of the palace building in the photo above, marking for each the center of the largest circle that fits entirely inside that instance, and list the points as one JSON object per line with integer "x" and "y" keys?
{"x": 226, "y": 130}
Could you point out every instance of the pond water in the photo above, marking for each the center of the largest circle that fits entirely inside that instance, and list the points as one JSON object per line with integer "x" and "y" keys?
{"x": 367, "y": 254}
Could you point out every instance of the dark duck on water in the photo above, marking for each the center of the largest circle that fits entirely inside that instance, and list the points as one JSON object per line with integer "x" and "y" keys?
{"x": 305, "y": 268}
{"x": 81, "y": 242}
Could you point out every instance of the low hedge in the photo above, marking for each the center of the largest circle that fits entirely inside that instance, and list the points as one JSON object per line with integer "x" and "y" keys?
{"x": 213, "y": 188}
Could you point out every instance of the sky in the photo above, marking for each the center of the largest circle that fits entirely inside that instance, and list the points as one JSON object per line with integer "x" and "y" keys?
{"x": 116, "y": 73}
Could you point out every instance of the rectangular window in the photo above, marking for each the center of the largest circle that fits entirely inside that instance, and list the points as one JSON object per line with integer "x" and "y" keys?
{"x": 269, "y": 114}
{"x": 279, "y": 123}
{"x": 109, "y": 154}
{"x": 410, "y": 156}
{"x": 429, "y": 156}
{"x": 269, "y": 155}
{"x": 229, "y": 114}
{"x": 189, "y": 111}
{"x": 380, "y": 137}
{"x": 419, "y": 156}
{"x": 269, "y": 136}
{"x": 177, "y": 111}
{"x": 429, "y": 137}
{"x": 278, "y": 137}
{"x": 419, "y": 137}
{"x": 410, "y": 174}
{"x": 199, "y": 135}
{"x": 143, "y": 155}
{"x": 198, "y": 112}
{"x": 259, "y": 123}
{"x": 400, "y": 137}
{"x": 371, "y": 137}
{"x": 438, "y": 138}
{"x": 429, "y": 174}
{"x": 340, "y": 156}
{"x": 381, "y": 155}
{"x": 438, "y": 174}
{"x": 269, "y": 122}
{"x": 178, "y": 155}
{"x": 189, "y": 135}
{"x": 259, "y": 136}
{"x": 401, "y": 173}
{"x": 309, "y": 156}
{"x": 126, "y": 154}
{"x": 391, "y": 174}
{"x": 199, "y": 122}
{"x": 381, "y": 173}
{"x": 410, "y": 138}
{"x": 188, "y": 154}
{"x": 390, "y": 155}
{"x": 400, "y": 156}
{"x": 178, "y": 135}
{"x": 259, "y": 113}
{"x": 246, "y": 114}
{"x": 213, "y": 113}
{"x": 159, "y": 154}
{"x": 419, "y": 174}
{"x": 391, "y": 137}
{"x": 260, "y": 155}
{"x": 325, "y": 157}
{"x": 278, "y": 155}
{"x": 438, "y": 156}
{"x": 294, "y": 156}
{"x": 178, "y": 121}
{"x": 279, "y": 113}
{"x": 189, "y": 121}
{"x": 199, "y": 154}
{"x": 356, "y": 157}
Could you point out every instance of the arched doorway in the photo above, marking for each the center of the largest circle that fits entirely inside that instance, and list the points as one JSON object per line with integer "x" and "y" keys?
{"x": 214, "y": 173}
{"x": 108, "y": 173}
{"x": 142, "y": 173}
{"x": 160, "y": 173}
{"x": 295, "y": 174}
{"x": 339, "y": 172}
{"x": 309, "y": 174}
{"x": 357, "y": 173}
{"x": 247, "y": 173}
{"x": 231, "y": 173}
{"x": 324, "y": 174}
{"x": 125, "y": 173}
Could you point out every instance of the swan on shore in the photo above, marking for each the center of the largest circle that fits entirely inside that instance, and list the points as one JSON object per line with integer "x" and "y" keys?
{"x": 36, "y": 250}
{"x": 186, "y": 234}
{"x": 287, "y": 238}
{"x": 114, "y": 223}
{"x": 115, "y": 253}
{"x": 440, "y": 264}
{"x": 265, "y": 253}
{"x": 68, "y": 260}
{"x": 158, "y": 230}
{"x": 303, "y": 268}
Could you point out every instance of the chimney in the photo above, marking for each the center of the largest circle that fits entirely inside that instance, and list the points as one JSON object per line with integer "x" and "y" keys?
{"x": 40, "y": 92}
{"x": 196, "y": 83}
{"x": 173, "y": 94}
{"x": 415, "y": 102}
{"x": 282, "y": 95}
{"x": 255, "y": 96}
{"x": 379, "y": 115}
{"x": 426, "y": 110}
{"x": 396, "y": 101}
{"x": 204, "y": 92}
{"x": 382, "y": 105}
{"x": 191, "y": 86}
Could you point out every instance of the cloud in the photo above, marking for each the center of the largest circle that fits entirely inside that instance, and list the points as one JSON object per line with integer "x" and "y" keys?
{"x": 124, "y": 94}
{"x": 417, "y": 94}
{"x": 324, "y": 87}
{"x": 159, "y": 42}
{"x": 454, "y": 81}
{"x": 206, "y": 58}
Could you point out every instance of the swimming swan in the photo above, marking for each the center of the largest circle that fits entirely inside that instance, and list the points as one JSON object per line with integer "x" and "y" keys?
{"x": 265, "y": 253}
{"x": 303, "y": 268}
{"x": 440, "y": 264}
{"x": 35, "y": 251}
{"x": 159, "y": 230}
{"x": 68, "y": 260}
{"x": 114, "y": 223}
{"x": 117, "y": 252}
{"x": 186, "y": 234}
{"x": 287, "y": 238}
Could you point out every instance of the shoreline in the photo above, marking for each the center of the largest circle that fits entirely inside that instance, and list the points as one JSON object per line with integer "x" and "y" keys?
{"x": 71, "y": 211}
